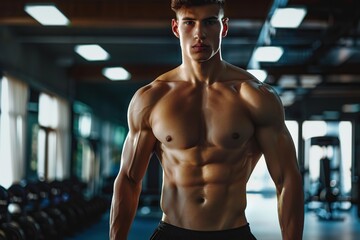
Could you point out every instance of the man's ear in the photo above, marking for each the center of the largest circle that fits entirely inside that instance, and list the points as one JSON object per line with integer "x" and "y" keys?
{"x": 225, "y": 22}
{"x": 175, "y": 27}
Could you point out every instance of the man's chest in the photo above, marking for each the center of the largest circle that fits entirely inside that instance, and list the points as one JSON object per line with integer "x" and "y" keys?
{"x": 185, "y": 120}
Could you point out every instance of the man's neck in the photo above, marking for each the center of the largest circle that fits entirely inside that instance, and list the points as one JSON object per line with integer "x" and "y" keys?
{"x": 206, "y": 72}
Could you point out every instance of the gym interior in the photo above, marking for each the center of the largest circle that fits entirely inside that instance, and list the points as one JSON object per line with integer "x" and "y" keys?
{"x": 63, "y": 117}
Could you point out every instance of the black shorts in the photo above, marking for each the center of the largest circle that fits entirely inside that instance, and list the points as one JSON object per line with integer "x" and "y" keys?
{"x": 166, "y": 231}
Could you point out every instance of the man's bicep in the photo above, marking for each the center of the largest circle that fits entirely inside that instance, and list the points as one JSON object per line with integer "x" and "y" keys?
{"x": 140, "y": 141}
{"x": 138, "y": 148}
{"x": 279, "y": 151}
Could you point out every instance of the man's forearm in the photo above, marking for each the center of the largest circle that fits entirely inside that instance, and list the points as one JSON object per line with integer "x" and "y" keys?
{"x": 291, "y": 209}
{"x": 123, "y": 207}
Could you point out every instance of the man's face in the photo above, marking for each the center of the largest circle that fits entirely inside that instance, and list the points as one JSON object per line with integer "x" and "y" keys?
{"x": 200, "y": 30}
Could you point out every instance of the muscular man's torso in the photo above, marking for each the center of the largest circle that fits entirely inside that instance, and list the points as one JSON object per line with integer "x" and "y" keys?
{"x": 207, "y": 149}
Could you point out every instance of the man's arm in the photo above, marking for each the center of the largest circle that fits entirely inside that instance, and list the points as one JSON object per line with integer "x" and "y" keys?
{"x": 280, "y": 156}
{"x": 136, "y": 154}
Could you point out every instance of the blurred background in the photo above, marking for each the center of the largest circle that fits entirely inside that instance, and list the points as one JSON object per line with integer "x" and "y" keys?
{"x": 68, "y": 70}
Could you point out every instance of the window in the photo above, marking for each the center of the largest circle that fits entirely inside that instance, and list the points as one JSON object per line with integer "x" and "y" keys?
{"x": 340, "y": 156}
{"x": 14, "y": 96}
{"x": 53, "y": 150}
{"x": 86, "y": 162}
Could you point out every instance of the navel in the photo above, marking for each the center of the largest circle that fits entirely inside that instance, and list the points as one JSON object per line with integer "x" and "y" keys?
{"x": 168, "y": 138}
{"x": 200, "y": 200}
{"x": 235, "y": 135}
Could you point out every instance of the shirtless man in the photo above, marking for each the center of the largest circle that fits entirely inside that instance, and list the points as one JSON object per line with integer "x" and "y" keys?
{"x": 208, "y": 122}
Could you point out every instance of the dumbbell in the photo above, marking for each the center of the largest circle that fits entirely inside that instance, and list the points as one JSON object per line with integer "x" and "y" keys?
{"x": 17, "y": 205}
{"x": 10, "y": 229}
{"x": 36, "y": 211}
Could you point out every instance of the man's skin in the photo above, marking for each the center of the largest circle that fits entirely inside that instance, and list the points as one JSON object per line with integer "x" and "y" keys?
{"x": 208, "y": 122}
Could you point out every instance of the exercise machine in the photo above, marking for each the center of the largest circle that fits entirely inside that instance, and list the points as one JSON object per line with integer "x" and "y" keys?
{"x": 325, "y": 191}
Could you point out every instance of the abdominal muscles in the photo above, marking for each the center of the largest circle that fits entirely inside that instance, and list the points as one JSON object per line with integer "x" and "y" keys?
{"x": 206, "y": 196}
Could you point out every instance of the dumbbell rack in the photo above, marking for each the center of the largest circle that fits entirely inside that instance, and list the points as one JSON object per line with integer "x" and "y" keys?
{"x": 42, "y": 210}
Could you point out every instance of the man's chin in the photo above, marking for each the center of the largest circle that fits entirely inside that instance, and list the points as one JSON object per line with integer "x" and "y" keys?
{"x": 202, "y": 60}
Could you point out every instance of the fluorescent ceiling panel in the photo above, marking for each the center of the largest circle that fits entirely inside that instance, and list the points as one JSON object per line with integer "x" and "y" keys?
{"x": 310, "y": 81}
{"x": 351, "y": 108}
{"x": 47, "y": 15}
{"x": 116, "y": 73}
{"x": 288, "y": 81}
{"x": 287, "y": 17}
{"x": 92, "y": 52}
{"x": 268, "y": 54}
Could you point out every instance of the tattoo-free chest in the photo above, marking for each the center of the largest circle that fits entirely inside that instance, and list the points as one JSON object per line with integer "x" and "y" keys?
{"x": 193, "y": 118}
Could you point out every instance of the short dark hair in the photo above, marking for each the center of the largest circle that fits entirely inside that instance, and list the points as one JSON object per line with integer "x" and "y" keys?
{"x": 177, "y": 4}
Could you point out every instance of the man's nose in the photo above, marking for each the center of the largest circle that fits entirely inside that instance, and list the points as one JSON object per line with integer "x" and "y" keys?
{"x": 200, "y": 32}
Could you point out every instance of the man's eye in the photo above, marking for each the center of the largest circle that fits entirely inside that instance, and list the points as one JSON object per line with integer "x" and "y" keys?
{"x": 211, "y": 22}
{"x": 188, "y": 22}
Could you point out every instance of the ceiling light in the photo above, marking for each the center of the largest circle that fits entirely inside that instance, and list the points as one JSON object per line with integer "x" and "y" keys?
{"x": 261, "y": 75}
{"x": 116, "y": 73}
{"x": 288, "y": 81}
{"x": 351, "y": 108}
{"x": 92, "y": 52}
{"x": 310, "y": 81}
{"x": 47, "y": 14}
{"x": 287, "y": 17}
{"x": 268, "y": 54}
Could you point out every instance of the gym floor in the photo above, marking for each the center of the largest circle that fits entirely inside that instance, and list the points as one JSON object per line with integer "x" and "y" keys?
{"x": 262, "y": 216}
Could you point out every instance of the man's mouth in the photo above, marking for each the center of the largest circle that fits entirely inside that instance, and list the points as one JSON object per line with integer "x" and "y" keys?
{"x": 200, "y": 47}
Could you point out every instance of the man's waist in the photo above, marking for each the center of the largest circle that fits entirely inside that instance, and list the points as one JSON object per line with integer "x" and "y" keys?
{"x": 176, "y": 232}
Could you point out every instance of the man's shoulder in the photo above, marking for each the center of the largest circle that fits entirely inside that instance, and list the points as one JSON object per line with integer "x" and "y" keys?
{"x": 263, "y": 102}
{"x": 239, "y": 76}
{"x": 167, "y": 77}
{"x": 260, "y": 98}
{"x": 256, "y": 90}
{"x": 149, "y": 94}
{"x": 249, "y": 83}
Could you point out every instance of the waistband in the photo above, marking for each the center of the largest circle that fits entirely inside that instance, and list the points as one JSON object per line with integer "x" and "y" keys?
{"x": 182, "y": 233}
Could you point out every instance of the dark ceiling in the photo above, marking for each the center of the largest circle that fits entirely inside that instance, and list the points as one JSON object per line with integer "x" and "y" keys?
{"x": 137, "y": 34}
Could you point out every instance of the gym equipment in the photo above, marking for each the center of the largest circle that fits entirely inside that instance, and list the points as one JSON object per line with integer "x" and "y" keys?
{"x": 89, "y": 210}
{"x": 17, "y": 204}
{"x": 60, "y": 196}
{"x": 10, "y": 229}
{"x": 37, "y": 202}
{"x": 40, "y": 210}
{"x": 327, "y": 189}
{"x": 51, "y": 198}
